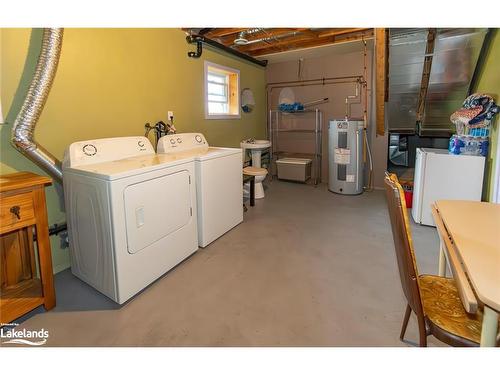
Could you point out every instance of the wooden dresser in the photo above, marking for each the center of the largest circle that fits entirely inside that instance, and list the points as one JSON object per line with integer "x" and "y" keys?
{"x": 23, "y": 213}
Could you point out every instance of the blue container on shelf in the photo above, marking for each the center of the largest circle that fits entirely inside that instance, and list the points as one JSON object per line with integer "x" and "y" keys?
{"x": 295, "y": 107}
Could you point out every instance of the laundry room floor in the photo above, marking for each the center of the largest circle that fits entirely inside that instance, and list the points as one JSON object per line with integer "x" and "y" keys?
{"x": 305, "y": 268}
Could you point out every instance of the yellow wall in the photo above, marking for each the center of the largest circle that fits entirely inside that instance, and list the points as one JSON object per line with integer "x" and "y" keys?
{"x": 110, "y": 82}
{"x": 489, "y": 83}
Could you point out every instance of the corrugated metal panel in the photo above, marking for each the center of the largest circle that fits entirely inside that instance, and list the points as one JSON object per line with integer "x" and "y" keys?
{"x": 456, "y": 53}
{"x": 406, "y": 59}
{"x": 455, "y": 56}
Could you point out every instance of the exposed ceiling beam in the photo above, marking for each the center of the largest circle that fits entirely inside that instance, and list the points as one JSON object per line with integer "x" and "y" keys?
{"x": 229, "y": 39}
{"x": 216, "y": 33}
{"x": 274, "y": 40}
{"x": 301, "y": 36}
{"x": 263, "y": 33}
{"x": 335, "y": 32}
{"x": 311, "y": 42}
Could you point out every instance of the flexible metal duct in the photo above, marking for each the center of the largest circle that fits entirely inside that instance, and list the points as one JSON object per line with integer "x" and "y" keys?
{"x": 27, "y": 118}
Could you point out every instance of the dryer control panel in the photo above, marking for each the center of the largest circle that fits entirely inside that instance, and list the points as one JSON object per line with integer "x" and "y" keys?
{"x": 182, "y": 142}
{"x": 105, "y": 149}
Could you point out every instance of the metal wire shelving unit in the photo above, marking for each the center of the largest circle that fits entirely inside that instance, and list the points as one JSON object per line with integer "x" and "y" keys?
{"x": 274, "y": 130}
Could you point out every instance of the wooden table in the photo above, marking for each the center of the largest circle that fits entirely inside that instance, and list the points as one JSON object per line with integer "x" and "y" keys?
{"x": 22, "y": 209}
{"x": 470, "y": 241}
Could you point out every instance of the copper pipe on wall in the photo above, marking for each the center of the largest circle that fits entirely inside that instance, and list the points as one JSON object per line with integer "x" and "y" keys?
{"x": 24, "y": 125}
{"x": 315, "y": 84}
{"x": 308, "y": 82}
{"x": 349, "y": 98}
{"x": 365, "y": 85}
{"x": 369, "y": 185}
{"x": 320, "y": 80}
{"x": 359, "y": 80}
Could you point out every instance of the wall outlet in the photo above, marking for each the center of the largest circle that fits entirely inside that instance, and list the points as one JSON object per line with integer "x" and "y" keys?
{"x": 170, "y": 114}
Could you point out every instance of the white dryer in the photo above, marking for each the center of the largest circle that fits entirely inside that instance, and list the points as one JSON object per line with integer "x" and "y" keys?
{"x": 131, "y": 214}
{"x": 219, "y": 183}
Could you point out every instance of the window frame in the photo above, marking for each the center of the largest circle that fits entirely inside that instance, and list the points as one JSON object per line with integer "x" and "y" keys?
{"x": 223, "y": 70}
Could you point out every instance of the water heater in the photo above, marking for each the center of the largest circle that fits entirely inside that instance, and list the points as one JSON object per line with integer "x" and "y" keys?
{"x": 345, "y": 162}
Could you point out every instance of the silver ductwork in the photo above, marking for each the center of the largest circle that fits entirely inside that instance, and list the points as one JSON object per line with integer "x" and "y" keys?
{"x": 455, "y": 54}
{"x": 27, "y": 118}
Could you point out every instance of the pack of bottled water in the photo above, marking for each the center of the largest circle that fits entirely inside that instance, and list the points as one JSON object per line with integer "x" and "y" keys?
{"x": 468, "y": 145}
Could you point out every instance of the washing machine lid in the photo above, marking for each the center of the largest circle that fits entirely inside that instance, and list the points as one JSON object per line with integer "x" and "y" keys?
{"x": 218, "y": 152}
{"x": 117, "y": 169}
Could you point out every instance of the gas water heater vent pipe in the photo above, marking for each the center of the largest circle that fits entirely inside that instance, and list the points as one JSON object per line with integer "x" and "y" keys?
{"x": 27, "y": 118}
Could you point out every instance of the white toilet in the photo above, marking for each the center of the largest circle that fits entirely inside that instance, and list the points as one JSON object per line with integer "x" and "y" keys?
{"x": 260, "y": 175}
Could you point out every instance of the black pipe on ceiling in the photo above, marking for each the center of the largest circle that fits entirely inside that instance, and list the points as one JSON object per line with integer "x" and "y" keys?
{"x": 200, "y": 39}
{"x": 205, "y": 30}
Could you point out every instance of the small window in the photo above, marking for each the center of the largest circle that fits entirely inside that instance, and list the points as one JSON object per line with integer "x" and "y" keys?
{"x": 222, "y": 98}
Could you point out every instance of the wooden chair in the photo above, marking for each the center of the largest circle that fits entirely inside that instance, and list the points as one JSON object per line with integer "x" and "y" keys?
{"x": 434, "y": 299}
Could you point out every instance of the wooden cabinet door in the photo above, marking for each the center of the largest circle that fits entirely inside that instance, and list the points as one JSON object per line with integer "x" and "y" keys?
{"x": 17, "y": 258}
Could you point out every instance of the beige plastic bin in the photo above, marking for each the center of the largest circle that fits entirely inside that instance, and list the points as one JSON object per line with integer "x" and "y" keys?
{"x": 294, "y": 169}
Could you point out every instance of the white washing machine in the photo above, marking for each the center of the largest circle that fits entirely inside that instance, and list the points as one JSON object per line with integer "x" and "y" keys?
{"x": 131, "y": 214}
{"x": 219, "y": 183}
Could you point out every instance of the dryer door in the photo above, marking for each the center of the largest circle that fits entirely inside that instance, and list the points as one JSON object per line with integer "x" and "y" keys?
{"x": 156, "y": 208}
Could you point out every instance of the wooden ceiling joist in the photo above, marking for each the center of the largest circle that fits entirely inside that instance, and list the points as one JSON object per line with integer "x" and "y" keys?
{"x": 216, "y": 33}
{"x": 314, "y": 42}
{"x": 263, "y": 41}
{"x": 263, "y": 34}
{"x": 335, "y": 32}
{"x": 278, "y": 44}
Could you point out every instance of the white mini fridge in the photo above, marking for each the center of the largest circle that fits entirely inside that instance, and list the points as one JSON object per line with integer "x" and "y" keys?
{"x": 440, "y": 175}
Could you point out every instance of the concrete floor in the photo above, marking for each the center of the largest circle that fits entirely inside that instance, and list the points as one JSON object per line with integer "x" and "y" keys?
{"x": 305, "y": 268}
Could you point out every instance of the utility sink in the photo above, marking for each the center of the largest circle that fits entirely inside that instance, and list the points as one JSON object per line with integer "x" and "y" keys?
{"x": 256, "y": 144}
